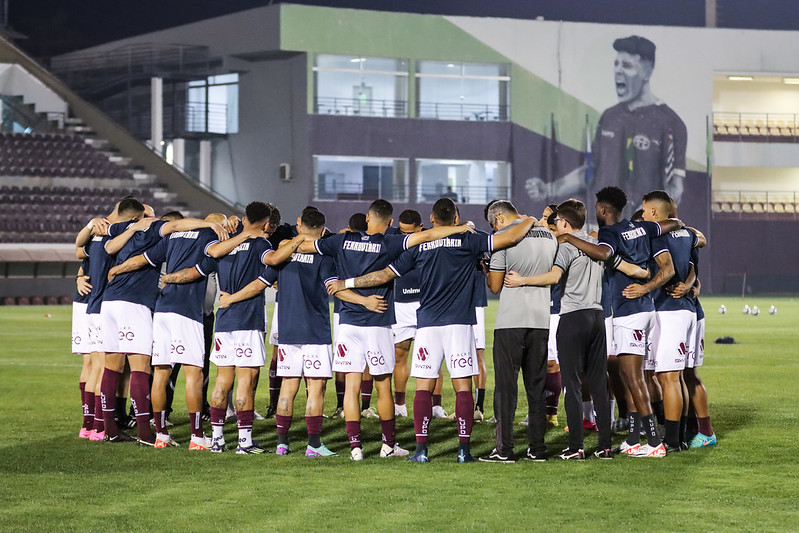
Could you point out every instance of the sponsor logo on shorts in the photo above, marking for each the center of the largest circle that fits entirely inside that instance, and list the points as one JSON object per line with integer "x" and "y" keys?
{"x": 243, "y": 352}
{"x": 125, "y": 334}
{"x": 76, "y": 339}
{"x": 177, "y": 347}
{"x": 281, "y": 354}
{"x": 315, "y": 364}
{"x": 423, "y": 353}
{"x": 375, "y": 358}
{"x": 217, "y": 345}
{"x": 341, "y": 350}
{"x": 638, "y": 334}
{"x": 460, "y": 360}
{"x": 682, "y": 349}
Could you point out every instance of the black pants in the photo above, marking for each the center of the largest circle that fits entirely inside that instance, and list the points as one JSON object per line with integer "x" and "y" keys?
{"x": 522, "y": 349}
{"x": 582, "y": 351}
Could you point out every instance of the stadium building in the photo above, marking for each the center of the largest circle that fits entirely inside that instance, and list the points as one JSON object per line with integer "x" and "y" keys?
{"x": 335, "y": 107}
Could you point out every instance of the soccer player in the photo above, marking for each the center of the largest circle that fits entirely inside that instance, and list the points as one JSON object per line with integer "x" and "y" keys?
{"x": 80, "y": 345}
{"x": 445, "y": 317}
{"x": 521, "y": 331}
{"x": 632, "y": 318}
{"x": 365, "y": 338}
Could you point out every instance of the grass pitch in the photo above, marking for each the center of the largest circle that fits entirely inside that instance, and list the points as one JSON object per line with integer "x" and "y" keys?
{"x": 52, "y": 481}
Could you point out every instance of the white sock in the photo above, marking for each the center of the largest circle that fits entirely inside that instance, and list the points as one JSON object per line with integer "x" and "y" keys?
{"x": 588, "y": 411}
{"x": 612, "y": 410}
{"x": 217, "y": 434}
{"x": 245, "y": 437}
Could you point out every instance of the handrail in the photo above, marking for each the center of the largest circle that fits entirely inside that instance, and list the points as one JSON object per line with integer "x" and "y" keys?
{"x": 333, "y": 105}
{"x": 462, "y": 111}
{"x": 750, "y": 126}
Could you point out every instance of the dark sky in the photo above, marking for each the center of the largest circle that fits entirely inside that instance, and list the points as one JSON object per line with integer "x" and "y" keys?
{"x": 57, "y": 26}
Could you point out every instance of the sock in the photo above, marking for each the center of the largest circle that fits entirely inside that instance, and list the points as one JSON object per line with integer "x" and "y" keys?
{"x": 621, "y": 403}
{"x": 354, "y": 433}
{"x": 612, "y": 409}
{"x": 218, "y": 424}
{"x": 98, "y": 414}
{"x": 366, "y": 393}
{"x": 196, "y": 425}
{"x": 481, "y": 396}
{"x": 436, "y": 400}
{"x": 274, "y": 384}
{"x": 120, "y": 410}
{"x": 340, "y": 386}
{"x": 244, "y": 420}
{"x": 705, "y": 427}
{"x": 387, "y": 429}
{"x": 672, "y": 436}
{"x": 634, "y": 433}
{"x": 464, "y": 414}
{"x": 82, "y": 387}
{"x": 88, "y": 410}
{"x": 652, "y": 437}
{"x": 314, "y": 425}
{"x": 160, "y": 422}
{"x": 683, "y": 427}
{"x": 283, "y": 424}
{"x": 693, "y": 423}
{"x": 422, "y": 413}
{"x": 657, "y": 409}
{"x": 552, "y": 386}
{"x": 399, "y": 398}
{"x": 588, "y": 411}
{"x": 140, "y": 401}
{"x": 108, "y": 391}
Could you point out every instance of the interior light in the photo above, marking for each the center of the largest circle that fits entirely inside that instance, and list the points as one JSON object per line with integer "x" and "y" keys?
{"x": 356, "y": 60}
{"x": 790, "y": 81}
{"x": 740, "y": 78}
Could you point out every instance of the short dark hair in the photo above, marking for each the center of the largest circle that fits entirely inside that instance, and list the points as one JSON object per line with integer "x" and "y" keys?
{"x": 309, "y": 208}
{"x": 657, "y": 196}
{"x": 130, "y": 207}
{"x": 274, "y": 215}
{"x": 312, "y": 219}
{"x": 172, "y": 215}
{"x": 613, "y": 197}
{"x": 257, "y": 212}
{"x": 358, "y": 222}
{"x": 638, "y": 215}
{"x": 444, "y": 211}
{"x": 382, "y": 209}
{"x": 636, "y": 45}
{"x": 410, "y": 216}
{"x": 573, "y": 212}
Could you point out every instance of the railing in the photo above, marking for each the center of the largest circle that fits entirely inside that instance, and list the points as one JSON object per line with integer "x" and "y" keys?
{"x": 756, "y": 127}
{"x": 457, "y": 111}
{"x": 202, "y": 117}
{"x": 763, "y": 204}
{"x": 326, "y": 105}
{"x": 356, "y": 191}
{"x": 462, "y": 194}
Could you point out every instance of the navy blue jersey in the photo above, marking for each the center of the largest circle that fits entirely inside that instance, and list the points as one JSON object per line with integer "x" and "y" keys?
{"x": 700, "y": 313}
{"x": 406, "y": 288}
{"x": 447, "y": 277}
{"x": 303, "y": 313}
{"x": 356, "y": 254}
{"x": 678, "y": 244}
{"x": 100, "y": 262}
{"x": 236, "y": 270}
{"x": 393, "y": 230}
{"x": 630, "y": 241}
{"x": 184, "y": 249}
{"x": 82, "y": 298}
{"x": 479, "y": 288}
{"x": 139, "y": 286}
{"x": 555, "y": 293}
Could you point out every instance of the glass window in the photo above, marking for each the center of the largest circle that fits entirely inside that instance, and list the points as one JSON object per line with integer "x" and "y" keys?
{"x": 462, "y": 91}
{"x": 468, "y": 182}
{"x": 212, "y": 104}
{"x": 363, "y": 86}
{"x": 360, "y": 178}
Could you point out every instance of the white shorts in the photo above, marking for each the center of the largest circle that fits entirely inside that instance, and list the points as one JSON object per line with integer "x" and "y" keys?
{"x": 244, "y": 349}
{"x": 405, "y": 315}
{"x": 673, "y": 337}
{"x": 336, "y": 319}
{"x": 552, "y": 343}
{"x": 273, "y": 330}
{"x": 358, "y": 346}
{"x": 80, "y": 328}
{"x": 453, "y": 343}
{"x": 95, "y": 323}
{"x": 632, "y": 333}
{"x": 480, "y": 328}
{"x": 609, "y": 341}
{"x": 177, "y": 339}
{"x": 127, "y": 328}
{"x": 699, "y": 346}
{"x": 309, "y": 360}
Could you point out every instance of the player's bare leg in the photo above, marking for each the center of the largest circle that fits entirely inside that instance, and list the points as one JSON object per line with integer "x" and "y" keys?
{"x": 245, "y": 409}
{"x": 94, "y": 385}
{"x": 632, "y": 371}
{"x": 352, "y": 412}
{"x": 480, "y": 384}
{"x": 655, "y": 396}
{"x": 402, "y": 371}
{"x": 219, "y": 403}
{"x": 699, "y": 399}
{"x": 194, "y": 402}
{"x": 672, "y": 406}
{"x": 619, "y": 390}
{"x": 314, "y": 407}
{"x": 161, "y": 376}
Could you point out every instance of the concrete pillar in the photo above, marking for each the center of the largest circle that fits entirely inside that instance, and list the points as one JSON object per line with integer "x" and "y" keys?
{"x": 205, "y": 163}
{"x": 179, "y": 153}
{"x": 157, "y": 113}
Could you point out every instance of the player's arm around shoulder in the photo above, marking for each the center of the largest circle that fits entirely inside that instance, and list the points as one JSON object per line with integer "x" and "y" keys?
{"x": 596, "y": 251}
{"x": 513, "y": 233}
{"x": 513, "y": 279}
{"x": 438, "y": 232}
{"x": 251, "y": 290}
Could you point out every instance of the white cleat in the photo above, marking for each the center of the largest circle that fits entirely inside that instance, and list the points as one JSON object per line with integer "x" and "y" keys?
{"x": 400, "y": 411}
{"x": 478, "y": 415}
{"x": 526, "y": 421}
{"x": 396, "y": 451}
{"x": 257, "y": 416}
{"x": 356, "y": 454}
{"x": 439, "y": 412}
{"x": 369, "y": 413}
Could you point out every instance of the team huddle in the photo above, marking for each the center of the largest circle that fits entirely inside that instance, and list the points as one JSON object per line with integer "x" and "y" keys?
{"x": 613, "y": 320}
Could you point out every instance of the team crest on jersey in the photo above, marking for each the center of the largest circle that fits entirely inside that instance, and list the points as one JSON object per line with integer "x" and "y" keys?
{"x": 423, "y": 353}
{"x": 638, "y": 334}
{"x": 641, "y": 142}
{"x": 341, "y": 349}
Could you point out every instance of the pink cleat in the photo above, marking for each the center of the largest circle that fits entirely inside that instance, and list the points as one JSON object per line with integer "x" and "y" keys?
{"x": 84, "y": 433}
{"x": 96, "y": 436}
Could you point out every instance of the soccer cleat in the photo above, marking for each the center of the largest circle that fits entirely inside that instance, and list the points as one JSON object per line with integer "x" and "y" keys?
{"x": 465, "y": 457}
{"x": 143, "y": 442}
{"x": 702, "y": 441}
{"x": 257, "y": 416}
{"x": 253, "y": 449}
{"x": 126, "y": 421}
{"x": 419, "y": 457}
{"x": 282, "y": 449}
{"x": 270, "y": 411}
{"x": 369, "y": 412}
{"x": 589, "y": 426}
{"x": 671, "y": 449}
{"x": 206, "y": 414}
{"x": 400, "y": 411}
{"x": 119, "y": 437}
{"x": 607, "y": 453}
{"x": 218, "y": 446}
{"x": 620, "y": 425}
{"x": 321, "y": 451}
{"x": 356, "y": 454}
{"x": 439, "y": 412}
{"x": 627, "y": 449}
{"x": 478, "y": 415}
{"x": 97, "y": 436}
{"x": 84, "y": 433}
{"x": 163, "y": 440}
{"x": 338, "y": 413}
{"x": 645, "y": 450}
{"x": 552, "y": 420}
{"x": 572, "y": 455}
{"x": 395, "y": 451}
{"x": 200, "y": 444}
{"x": 526, "y": 421}
{"x": 230, "y": 415}
{"x": 535, "y": 457}
{"x": 492, "y": 420}
{"x": 496, "y": 457}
